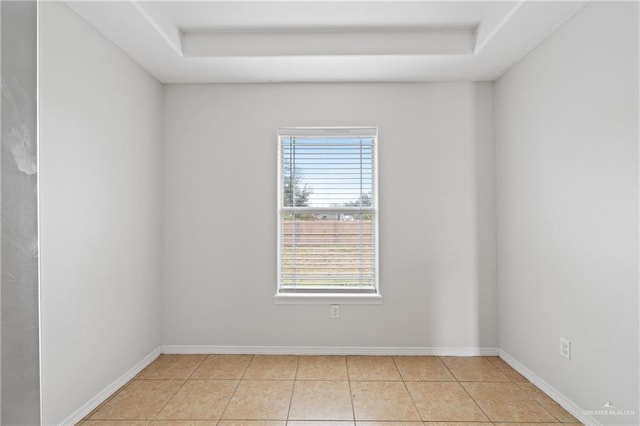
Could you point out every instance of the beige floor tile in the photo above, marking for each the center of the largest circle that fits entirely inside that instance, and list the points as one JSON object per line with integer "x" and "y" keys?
{"x": 260, "y": 400}
{"x": 459, "y": 423}
{"x": 506, "y": 402}
{"x": 547, "y": 403}
{"x": 474, "y": 369}
{"x": 321, "y": 400}
{"x": 222, "y": 367}
{"x": 199, "y": 400}
{"x": 513, "y": 375}
{"x": 140, "y": 399}
{"x": 389, "y": 423}
{"x": 167, "y": 367}
{"x": 372, "y": 368}
{"x": 378, "y": 400}
{"x": 423, "y": 369}
{"x": 272, "y": 367}
{"x": 528, "y": 424}
{"x": 322, "y": 368}
{"x": 507, "y": 370}
{"x": 321, "y": 396}
{"x": 444, "y": 401}
{"x": 496, "y": 360}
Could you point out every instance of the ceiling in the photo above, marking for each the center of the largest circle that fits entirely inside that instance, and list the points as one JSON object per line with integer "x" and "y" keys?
{"x": 326, "y": 41}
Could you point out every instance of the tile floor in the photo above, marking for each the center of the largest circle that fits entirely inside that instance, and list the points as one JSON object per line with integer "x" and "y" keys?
{"x": 275, "y": 390}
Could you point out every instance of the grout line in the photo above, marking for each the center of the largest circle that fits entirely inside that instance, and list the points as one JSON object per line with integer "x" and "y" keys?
{"x": 197, "y": 366}
{"x": 448, "y": 369}
{"x": 235, "y": 389}
{"x": 177, "y": 390}
{"x": 404, "y": 382}
{"x": 353, "y": 410}
{"x": 474, "y": 401}
{"x": 465, "y": 389}
{"x": 531, "y": 398}
{"x": 293, "y": 388}
{"x": 168, "y": 399}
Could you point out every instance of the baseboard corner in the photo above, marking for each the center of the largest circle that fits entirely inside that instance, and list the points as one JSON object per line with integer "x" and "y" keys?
{"x": 103, "y": 395}
{"x": 574, "y": 409}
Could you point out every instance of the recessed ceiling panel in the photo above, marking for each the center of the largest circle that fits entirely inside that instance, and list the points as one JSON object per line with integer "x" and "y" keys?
{"x": 328, "y": 41}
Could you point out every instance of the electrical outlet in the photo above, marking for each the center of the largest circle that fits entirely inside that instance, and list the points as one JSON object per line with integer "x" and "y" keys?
{"x": 565, "y": 347}
{"x": 335, "y": 311}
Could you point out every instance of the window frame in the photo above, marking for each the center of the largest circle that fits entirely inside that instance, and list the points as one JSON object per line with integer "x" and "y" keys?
{"x": 322, "y": 296}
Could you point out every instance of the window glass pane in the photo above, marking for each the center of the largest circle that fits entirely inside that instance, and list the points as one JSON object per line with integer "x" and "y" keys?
{"x": 328, "y": 249}
{"x": 327, "y": 172}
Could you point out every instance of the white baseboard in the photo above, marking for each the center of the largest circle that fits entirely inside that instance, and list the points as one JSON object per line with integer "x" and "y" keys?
{"x": 102, "y": 396}
{"x": 552, "y": 392}
{"x": 328, "y": 350}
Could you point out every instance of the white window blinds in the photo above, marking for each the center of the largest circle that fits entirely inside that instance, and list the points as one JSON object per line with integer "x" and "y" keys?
{"x": 327, "y": 210}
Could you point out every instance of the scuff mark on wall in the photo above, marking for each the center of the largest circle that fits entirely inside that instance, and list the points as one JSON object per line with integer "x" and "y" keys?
{"x": 21, "y": 147}
{"x": 21, "y": 140}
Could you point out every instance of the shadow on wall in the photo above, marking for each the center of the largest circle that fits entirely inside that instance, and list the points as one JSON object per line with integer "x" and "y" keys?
{"x": 485, "y": 215}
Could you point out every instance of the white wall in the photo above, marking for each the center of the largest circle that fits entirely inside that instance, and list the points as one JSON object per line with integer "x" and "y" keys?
{"x": 567, "y": 165}
{"x": 435, "y": 150}
{"x": 100, "y": 139}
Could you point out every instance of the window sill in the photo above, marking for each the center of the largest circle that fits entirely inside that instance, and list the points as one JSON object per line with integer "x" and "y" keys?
{"x": 327, "y": 299}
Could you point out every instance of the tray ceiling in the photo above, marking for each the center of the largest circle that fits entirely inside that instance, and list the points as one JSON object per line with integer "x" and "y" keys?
{"x": 325, "y": 41}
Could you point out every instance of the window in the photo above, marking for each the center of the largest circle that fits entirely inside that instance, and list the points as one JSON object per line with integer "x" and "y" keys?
{"x": 328, "y": 216}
